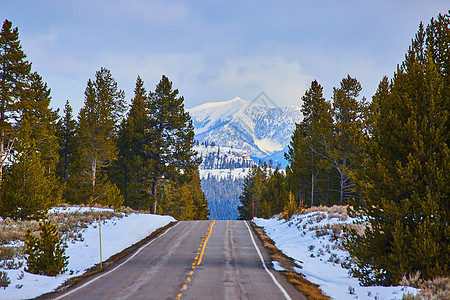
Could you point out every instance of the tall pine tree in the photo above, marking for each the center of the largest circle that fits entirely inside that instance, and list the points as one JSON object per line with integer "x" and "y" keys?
{"x": 405, "y": 181}
{"x": 309, "y": 171}
{"x": 131, "y": 172}
{"x": 251, "y": 193}
{"x": 97, "y": 130}
{"x": 14, "y": 71}
{"x": 28, "y": 135}
{"x": 345, "y": 149}
{"x": 67, "y": 141}
{"x": 172, "y": 139}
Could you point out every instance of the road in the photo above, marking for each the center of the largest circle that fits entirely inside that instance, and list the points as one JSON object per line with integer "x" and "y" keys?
{"x": 192, "y": 260}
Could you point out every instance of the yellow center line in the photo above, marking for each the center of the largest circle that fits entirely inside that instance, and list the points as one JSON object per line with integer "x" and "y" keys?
{"x": 198, "y": 258}
{"x": 208, "y": 234}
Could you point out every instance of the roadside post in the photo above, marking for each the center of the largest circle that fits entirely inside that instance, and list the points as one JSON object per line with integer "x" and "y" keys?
{"x": 100, "y": 240}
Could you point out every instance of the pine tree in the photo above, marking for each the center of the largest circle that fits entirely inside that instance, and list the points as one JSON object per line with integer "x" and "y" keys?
{"x": 28, "y": 134}
{"x": 274, "y": 194}
{"x": 67, "y": 141}
{"x": 45, "y": 255}
{"x": 14, "y": 71}
{"x": 185, "y": 202}
{"x": 131, "y": 171}
{"x": 201, "y": 210}
{"x": 98, "y": 123}
{"x": 29, "y": 190}
{"x": 309, "y": 171}
{"x": 345, "y": 150}
{"x": 172, "y": 138}
{"x": 251, "y": 194}
{"x": 404, "y": 182}
{"x": 35, "y": 103}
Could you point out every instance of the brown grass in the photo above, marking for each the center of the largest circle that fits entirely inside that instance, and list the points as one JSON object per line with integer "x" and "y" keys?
{"x": 336, "y": 211}
{"x": 435, "y": 289}
{"x": 70, "y": 226}
{"x": 310, "y": 290}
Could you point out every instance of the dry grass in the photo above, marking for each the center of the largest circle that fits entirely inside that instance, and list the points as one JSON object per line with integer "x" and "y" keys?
{"x": 336, "y": 211}
{"x": 310, "y": 290}
{"x": 434, "y": 289}
{"x": 70, "y": 226}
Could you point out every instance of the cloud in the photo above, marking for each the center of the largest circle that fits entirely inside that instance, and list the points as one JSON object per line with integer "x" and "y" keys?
{"x": 202, "y": 79}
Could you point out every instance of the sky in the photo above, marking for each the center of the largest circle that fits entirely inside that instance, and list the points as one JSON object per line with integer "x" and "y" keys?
{"x": 217, "y": 50}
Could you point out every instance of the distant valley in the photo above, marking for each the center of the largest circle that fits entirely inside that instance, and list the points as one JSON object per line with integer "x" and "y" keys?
{"x": 232, "y": 136}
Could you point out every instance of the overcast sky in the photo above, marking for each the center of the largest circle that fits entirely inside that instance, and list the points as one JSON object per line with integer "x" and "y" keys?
{"x": 217, "y": 50}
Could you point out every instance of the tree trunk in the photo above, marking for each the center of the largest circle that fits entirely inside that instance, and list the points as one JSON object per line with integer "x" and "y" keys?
{"x": 93, "y": 170}
{"x": 312, "y": 179}
{"x": 155, "y": 203}
{"x": 2, "y": 147}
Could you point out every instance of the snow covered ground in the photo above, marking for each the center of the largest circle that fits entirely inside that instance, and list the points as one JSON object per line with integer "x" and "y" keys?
{"x": 225, "y": 173}
{"x": 117, "y": 235}
{"x": 306, "y": 238}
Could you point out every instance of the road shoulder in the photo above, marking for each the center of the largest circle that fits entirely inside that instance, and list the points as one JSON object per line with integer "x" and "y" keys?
{"x": 296, "y": 280}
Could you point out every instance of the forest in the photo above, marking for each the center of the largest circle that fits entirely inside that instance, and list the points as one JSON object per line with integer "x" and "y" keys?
{"x": 386, "y": 158}
{"x": 139, "y": 156}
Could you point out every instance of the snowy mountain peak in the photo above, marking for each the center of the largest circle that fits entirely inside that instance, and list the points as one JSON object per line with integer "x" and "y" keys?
{"x": 264, "y": 131}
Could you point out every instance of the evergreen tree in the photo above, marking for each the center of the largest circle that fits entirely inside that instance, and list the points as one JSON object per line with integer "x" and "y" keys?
{"x": 45, "y": 255}
{"x": 14, "y": 71}
{"x": 29, "y": 190}
{"x": 97, "y": 130}
{"x": 28, "y": 134}
{"x": 309, "y": 172}
{"x": 35, "y": 104}
{"x": 185, "y": 202}
{"x": 131, "y": 171}
{"x": 345, "y": 150}
{"x": 404, "y": 182}
{"x": 251, "y": 194}
{"x": 274, "y": 194}
{"x": 67, "y": 141}
{"x": 172, "y": 137}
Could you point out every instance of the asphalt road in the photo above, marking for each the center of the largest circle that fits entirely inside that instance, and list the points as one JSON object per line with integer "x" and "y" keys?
{"x": 193, "y": 260}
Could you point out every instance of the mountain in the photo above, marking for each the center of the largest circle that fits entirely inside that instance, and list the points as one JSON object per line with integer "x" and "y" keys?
{"x": 264, "y": 131}
{"x": 222, "y": 172}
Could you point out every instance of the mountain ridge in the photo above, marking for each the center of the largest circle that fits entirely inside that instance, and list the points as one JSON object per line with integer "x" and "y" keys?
{"x": 264, "y": 131}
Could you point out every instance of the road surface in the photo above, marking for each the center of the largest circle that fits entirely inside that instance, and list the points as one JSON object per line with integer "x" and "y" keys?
{"x": 192, "y": 260}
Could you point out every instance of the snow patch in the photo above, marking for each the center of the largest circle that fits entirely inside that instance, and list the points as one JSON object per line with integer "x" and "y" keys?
{"x": 117, "y": 235}
{"x": 320, "y": 258}
{"x": 268, "y": 145}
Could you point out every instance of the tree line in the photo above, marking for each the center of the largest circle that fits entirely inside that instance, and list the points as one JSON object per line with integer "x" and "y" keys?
{"x": 112, "y": 155}
{"x": 387, "y": 158}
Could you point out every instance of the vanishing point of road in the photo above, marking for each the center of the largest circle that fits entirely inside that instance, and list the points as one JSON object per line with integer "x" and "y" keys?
{"x": 192, "y": 260}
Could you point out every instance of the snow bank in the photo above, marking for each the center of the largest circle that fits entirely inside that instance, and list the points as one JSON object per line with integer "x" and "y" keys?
{"x": 306, "y": 238}
{"x": 117, "y": 235}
